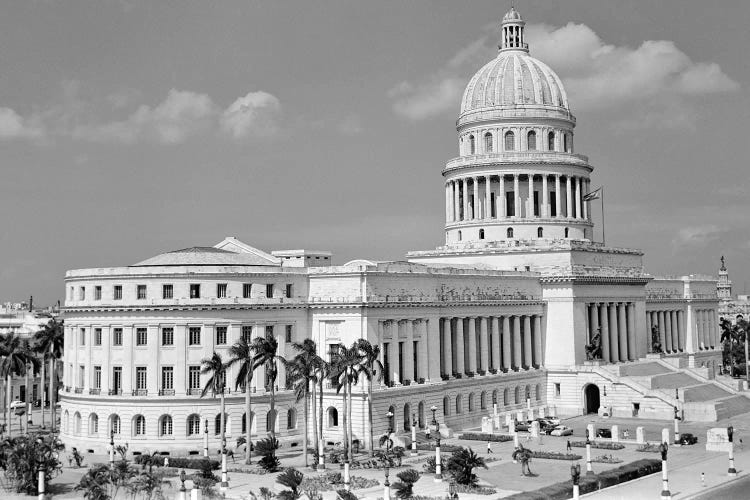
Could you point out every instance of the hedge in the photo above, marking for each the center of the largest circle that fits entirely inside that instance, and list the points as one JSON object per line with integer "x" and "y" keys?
{"x": 555, "y": 456}
{"x": 588, "y": 484}
{"x": 479, "y": 436}
{"x": 178, "y": 462}
{"x": 604, "y": 445}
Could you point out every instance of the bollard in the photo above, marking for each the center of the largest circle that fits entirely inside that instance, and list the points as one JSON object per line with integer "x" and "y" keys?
{"x": 322, "y": 456}
{"x": 665, "y": 493}
{"x": 347, "y": 479}
{"x": 589, "y": 470}
{"x": 640, "y": 436}
{"x": 414, "y": 451}
{"x": 731, "y": 472}
{"x": 205, "y": 440}
{"x": 40, "y": 485}
{"x": 438, "y": 466}
{"x": 224, "y": 480}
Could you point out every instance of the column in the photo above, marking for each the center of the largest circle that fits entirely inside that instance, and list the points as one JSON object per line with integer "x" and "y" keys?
{"x": 382, "y": 345}
{"x": 632, "y": 354}
{"x": 506, "y": 343}
{"x": 475, "y": 206}
{"x": 594, "y": 321}
{"x": 714, "y": 328}
{"x": 545, "y": 201}
{"x": 578, "y": 198}
{"x": 500, "y": 200}
{"x": 528, "y": 350}
{"x": 681, "y": 330}
{"x": 669, "y": 334}
{"x": 538, "y": 341}
{"x": 393, "y": 357}
{"x": 496, "y": 361}
{"x": 558, "y": 204}
{"x": 662, "y": 337}
{"x": 408, "y": 351}
{"x": 447, "y": 351}
{"x": 622, "y": 329}
{"x": 517, "y": 362}
{"x": 568, "y": 198}
{"x": 613, "y": 333}
{"x": 460, "y": 346}
{"x": 530, "y": 203}
{"x": 472, "y": 333}
{"x": 675, "y": 331}
{"x": 431, "y": 349}
{"x": 605, "y": 331}
{"x": 456, "y": 201}
{"x": 483, "y": 347}
{"x": 585, "y": 204}
{"x": 487, "y": 197}
{"x": 279, "y": 333}
{"x": 516, "y": 196}
{"x": 466, "y": 199}
{"x": 447, "y": 202}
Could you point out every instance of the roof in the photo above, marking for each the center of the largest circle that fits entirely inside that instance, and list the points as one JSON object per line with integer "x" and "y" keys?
{"x": 207, "y": 256}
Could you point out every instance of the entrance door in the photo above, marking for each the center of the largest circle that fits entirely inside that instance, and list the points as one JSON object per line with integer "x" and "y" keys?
{"x": 591, "y": 398}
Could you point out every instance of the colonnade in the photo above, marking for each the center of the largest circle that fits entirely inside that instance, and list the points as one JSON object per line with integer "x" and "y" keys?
{"x": 615, "y": 322}
{"x": 487, "y": 197}
{"x": 403, "y": 348}
{"x": 706, "y": 329}
{"x": 670, "y": 325}
{"x": 470, "y": 345}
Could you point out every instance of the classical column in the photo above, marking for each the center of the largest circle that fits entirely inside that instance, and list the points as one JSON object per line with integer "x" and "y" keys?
{"x": 408, "y": 351}
{"x": 568, "y": 198}
{"x": 472, "y": 333}
{"x": 585, "y": 204}
{"x": 663, "y": 337}
{"x": 517, "y": 361}
{"x": 605, "y": 331}
{"x": 681, "y": 329}
{"x": 496, "y": 361}
{"x": 447, "y": 202}
{"x": 475, "y": 206}
{"x": 614, "y": 346}
{"x": 507, "y": 365}
{"x": 622, "y": 329}
{"x": 669, "y": 333}
{"x": 527, "y": 348}
{"x": 538, "y": 341}
{"x": 465, "y": 203}
{"x": 279, "y": 333}
{"x": 460, "y": 346}
{"x": 578, "y": 198}
{"x": 500, "y": 200}
{"x": 632, "y": 354}
{"x": 516, "y": 196}
{"x": 456, "y": 201}
{"x": 558, "y": 203}
{"x": 530, "y": 203}
{"x": 675, "y": 332}
{"x": 394, "y": 356}
{"x": 483, "y": 347}
{"x": 447, "y": 348}
{"x": 545, "y": 201}
{"x": 487, "y": 197}
{"x": 593, "y": 321}
{"x": 714, "y": 328}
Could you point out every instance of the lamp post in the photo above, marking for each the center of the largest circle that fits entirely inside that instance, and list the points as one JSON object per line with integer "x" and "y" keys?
{"x": 665, "y": 493}
{"x": 575, "y": 475}
{"x": 183, "y": 491}
{"x": 111, "y": 448}
{"x": 731, "y": 472}
{"x": 40, "y": 468}
{"x": 588, "y": 454}
{"x": 414, "y": 451}
{"x": 224, "y": 479}
{"x": 436, "y": 430}
{"x": 205, "y": 439}
{"x": 387, "y": 485}
{"x": 676, "y": 427}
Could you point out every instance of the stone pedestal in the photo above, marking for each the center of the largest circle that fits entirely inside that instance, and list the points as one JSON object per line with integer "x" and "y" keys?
{"x": 487, "y": 426}
{"x": 615, "y": 433}
{"x": 519, "y": 415}
{"x": 640, "y": 436}
{"x": 590, "y": 428}
{"x": 530, "y": 414}
{"x": 553, "y": 411}
{"x": 542, "y": 412}
{"x": 535, "y": 429}
{"x": 717, "y": 439}
{"x": 665, "y": 435}
{"x": 508, "y": 420}
{"x": 655, "y": 355}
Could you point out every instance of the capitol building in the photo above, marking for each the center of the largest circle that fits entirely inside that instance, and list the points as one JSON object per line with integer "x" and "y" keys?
{"x": 502, "y": 319}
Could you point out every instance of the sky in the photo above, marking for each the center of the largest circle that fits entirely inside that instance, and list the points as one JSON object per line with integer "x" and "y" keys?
{"x": 132, "y": 128}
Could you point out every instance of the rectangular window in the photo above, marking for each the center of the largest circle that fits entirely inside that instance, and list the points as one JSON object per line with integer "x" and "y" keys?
{"x": 70, "y": 293}
{"x": 140, "y": 377}
{"x": 247, "y": 290}
{"x": 288, "y": 337}
{"x": 195, "y": 291}
{"x": 81, "y": 375}
{"x": 97, "y": 292}
{"x": 269, "y": 290}
{"x": 194, "y": 335}
{"x": 557, "y": 389}
{"x": 221, "y": 291}
{"x": 82, "y": 336}
{"x": 141, "y": 292}
{"x": 552, "y": 204}
{"x": 167, "y": 292}
{"x": 510, "y": 203}
{"x": 269, "y": 330}
{"x": 82, "y": 293}
{"x": 97, "y": 336}
{"x": 167, "y": 336}
{"x": 141, "y": 336}
{"x": 117, "y": 379}
{"x": 97, "y": 377}
{"x": 247, "y": 332}
{"x": 117, "y": 336}
{"x": 288, "y": 291}
{"x": 221, "y": 335}
{"x": 194, "y": 377}
{"x": 167, "y": 378}
{"x": 117, "y": 293}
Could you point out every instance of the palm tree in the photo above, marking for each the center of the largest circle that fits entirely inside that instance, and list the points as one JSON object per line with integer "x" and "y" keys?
{"x": 215, "y": 384}
{"x": 323, "y": 372}
{"x": 302, "y": 373}
{"x": 265, "y": 349}
{"x": 241, "y": 353}
{"x": 344, "y": 367}
{"x": 50, "y": 341}
{"x": 16, "y": 354}
{"x": 371, "y": 367}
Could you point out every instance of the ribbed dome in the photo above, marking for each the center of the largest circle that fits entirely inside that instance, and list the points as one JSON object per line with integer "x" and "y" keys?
{"x": 514, "y": 79}
{"x": 512, "y": 15}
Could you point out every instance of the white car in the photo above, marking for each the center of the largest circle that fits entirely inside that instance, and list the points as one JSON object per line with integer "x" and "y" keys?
{"x": 561, "y": 430}
{"x": 17, "y": 404}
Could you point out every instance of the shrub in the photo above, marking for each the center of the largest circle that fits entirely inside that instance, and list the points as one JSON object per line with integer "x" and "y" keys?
{"x": 331, "y": 482}
{"x": 429, "y": 466}
{"x": 480, "y": 436}
{"x": 607, "y": 459}
{"x": 405, "y": 486}
{"x": 475, "y": 490}
{"x": 552, "y": 455}
{"x": 603, "y": 445}
{"x": 267, "y": 449}
{"x": 20, "y": 456}
{"x": 648, "y": 448}
{"x": 444, "y": 448}
{"x": 177, "y": 462}
{"x": 292, "y": 479}
{"x": 461, "y": 466}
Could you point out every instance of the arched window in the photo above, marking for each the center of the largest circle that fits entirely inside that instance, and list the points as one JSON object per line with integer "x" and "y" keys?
{"x": 271, "y": 421}
{"x": 139, "y": 425}
{"x": 66, "y": 421}
{"x": 506, "y": 397}
{"x": 539, "y": 232}
{"x": 392, "y": 418}
{"x": 471, "y": 402}
{"x": 459, "y": 235}
{"x": 420, "y": 414}
{"x": 217, "y": 423}
{"x": 509, "y": 232}
{"x": 114, "y": 424}
{"x": 458, "y": 404}
{"x": 193, "y": 425}
{"x": 528, "y": 392}
{"x": 244, "y": 421}
{"x": 77, "y": 423}
{"x": 165, "y": 425}
{"x": 551, "y": 141}
{"x": 407, "y": 417}
{"x": 538, "y": 392}
{"x": 566, "y": 232}
{"x": 333, "y": 417}
{"x": 446, "y": 406}
{"x": 291, "y": 418}
{"x": 494, "y": 397}
{"x": 531, "y": 140}
{"x": 481, "y": 234}
{"x": 517, "y": 395}
{"x": 510, "y": 141}
{"x": 483, "y": 400}
{"x": 93, "y": 424}
{"x": 472, "y": 145}
{"x": 488, "y": 142}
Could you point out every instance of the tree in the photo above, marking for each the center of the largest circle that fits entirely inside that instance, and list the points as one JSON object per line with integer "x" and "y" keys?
{"x": 344, "y": 372}
{"x": 15, "y": 356}
{"x": 215, "y": 367}
{"x": 266, "y": 355}
{"x": 302, "y": 373}
{"x": 733, "y": 343}
{"x": 50, "y": 340}
{"x": 372, "y": 369}
{"x": 292, "y": 479}
{"x": 405, "y": 486}
{"x": 462, "y": 464}
{"x": 242, "y": 355}
{"x": 267, "y": 449}
{"x": 21, "y": 457}
{"x": 324, "y": 371}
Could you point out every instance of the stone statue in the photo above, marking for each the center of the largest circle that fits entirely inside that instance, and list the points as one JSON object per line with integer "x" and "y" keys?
{"x": 522, "y": 455}
{"x": 655, "y": 343}
{"x": 594, "y": 349}
{"x": 663, "y": 448}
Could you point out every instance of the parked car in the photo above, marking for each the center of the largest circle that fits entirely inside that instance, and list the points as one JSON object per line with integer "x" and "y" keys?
{"x": 603, "y": 432}
{"x": 17, "y": 404}
{"x": 561, "y": 430}
{"x": 523, "y": 426}
{"x": 688, "y": 438}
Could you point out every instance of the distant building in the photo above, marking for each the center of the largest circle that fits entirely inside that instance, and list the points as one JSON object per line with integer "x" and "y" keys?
{"x": 730, "y": 308}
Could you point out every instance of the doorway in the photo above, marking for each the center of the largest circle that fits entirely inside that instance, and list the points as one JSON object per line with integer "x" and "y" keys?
{"x": 591, "y": 398}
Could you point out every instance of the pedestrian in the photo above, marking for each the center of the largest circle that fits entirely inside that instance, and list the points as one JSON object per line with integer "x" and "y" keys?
{"x": 703, "y": 479}
{"x": 568, "y": 448}
{"x": 489, "y": 447}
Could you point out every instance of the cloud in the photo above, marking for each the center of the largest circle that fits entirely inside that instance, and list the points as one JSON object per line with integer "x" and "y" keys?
{"x": 14, "y": 126}
{"x": 653, "y": 78}
{"x": 698, "y": 236}
{"x": 350, "y": 125}
{"x": 255, "y": 114}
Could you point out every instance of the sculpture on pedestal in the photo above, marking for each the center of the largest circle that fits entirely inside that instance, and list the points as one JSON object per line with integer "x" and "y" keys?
{"x": 655, "y": 343}
{"x": 594, "y": 349}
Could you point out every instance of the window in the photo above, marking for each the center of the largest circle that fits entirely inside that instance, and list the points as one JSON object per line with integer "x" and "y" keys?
{"x": 70, "y": 293}
{"x": 82, "y": 293}
{"x": 77, "y": 423}
{"x": 167, "y": 378}
{"x": 97, "y": 292}
{"x": 141, "y": 292}
{"x": 195, "y": 291}
{"x": 269, "y": 331}
{"x": 459, "y": 235}
{"x": 140, "y": 378}
{"x": 165, "y": 425}
{"x": 488, "y": 142}
{"x": 481, "y": 234}
{"x": 141, "y": 336}
{"x": 458, "y": 404}
{"x": 93, "y": 424}
{"x": 567, "y": 231}
{"x": 194, "y": 377}
{"x": 509, "y": 232}
{"x": 531, "y": 140}
{"x": 194, "y": 335}
{"x": 269, "y": 291}
{"x": 333, "y": 417}
{"x": 97, "y": 336}
{"x": 81, "y": 375}
{"x": 247, "y": 332}
{"x": 551, "y": 141}
{"x": 114, "y": 422}
{"x": 288, "y": 291}
{"x": 247, "y": 290}
{"x": 221, "y": 291}
{"x": 483, "y": 400}
{"x": 471, "y": 402}
{"x": 510, "y": 141}
{"x": 217, "y": 423}
{"x": 117, "y": 292}
{"x": 288, "y": 337}
{"x": 82, "y": 336}
{"x": 565, "y": 143}
{"x": 539, "y": 232}
{"x": 97, "y": 377}
{"x": 139, "y": 425}
{"x": 167, "y": 336}
{"x": 446, "y": 406}
{"x": 291, "y": 419}
{"x": 193, "y": 425}
{"x": 167, "y": 291}
{"x": 472, "y": 145}
{"x": 221, "y": 335}
{"x": 117, "y": 379}
{"x": 271, "y": 421}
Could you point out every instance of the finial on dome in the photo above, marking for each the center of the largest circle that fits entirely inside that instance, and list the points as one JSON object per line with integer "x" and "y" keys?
{"x": 512, "y": 31}
{"x": 723, "y": 267}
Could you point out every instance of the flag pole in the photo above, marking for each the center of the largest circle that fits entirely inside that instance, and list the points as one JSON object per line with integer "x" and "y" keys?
{"x": 604, "y": 241}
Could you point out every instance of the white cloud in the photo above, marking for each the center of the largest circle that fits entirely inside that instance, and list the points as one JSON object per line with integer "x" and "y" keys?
{"x": 14, "y": 126}
{"x": 255, "y": 114}
{"x": 350, "y": 125}
{"x": 698, "y": 236}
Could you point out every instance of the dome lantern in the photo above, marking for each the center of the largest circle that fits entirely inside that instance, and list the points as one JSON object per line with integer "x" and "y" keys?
{"x": 512, "y": 32}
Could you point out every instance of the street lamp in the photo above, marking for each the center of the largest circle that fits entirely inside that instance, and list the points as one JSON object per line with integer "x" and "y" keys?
{"x": 435, "y": 428}
{"x": 665, "y": 493}
{"x": 112, "y": 448}
{"x": 731, "y": 471}
{"x": 205, "y": 439}
{"x": 43, "y": 450}
{"x": 575, "y": 476}
{"x": 588, "y": 454}
{"x": 414, "y": 434}
{"x": 387, "y": 485}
